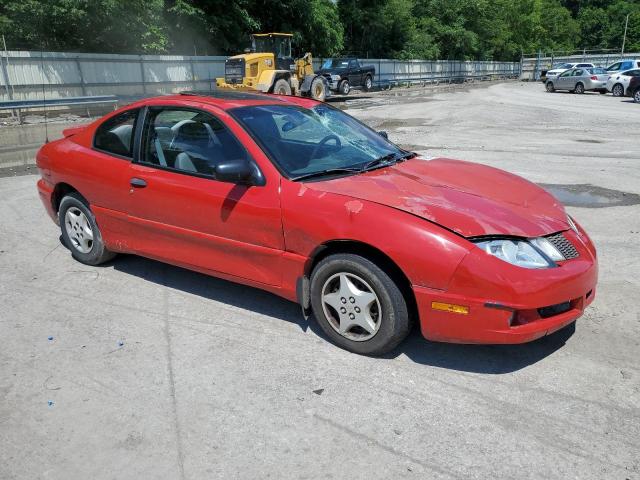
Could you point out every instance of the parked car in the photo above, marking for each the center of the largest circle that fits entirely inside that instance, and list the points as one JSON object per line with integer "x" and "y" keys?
{"x": 298, "y": 198}
{"x": 618, "y": 82}
{"x": 562, "y": 67}
{"x": 633, "y": 90}
{"x": 343, "y": 74}
{"x": 623, "y": 65}
{"x": 580, "y": 80}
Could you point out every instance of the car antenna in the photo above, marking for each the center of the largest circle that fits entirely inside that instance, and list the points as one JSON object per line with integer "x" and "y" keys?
{"x": 44, "y": 99}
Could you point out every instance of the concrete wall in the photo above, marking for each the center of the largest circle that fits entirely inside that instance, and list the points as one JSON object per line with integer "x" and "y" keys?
{"x": 23, "y": 73}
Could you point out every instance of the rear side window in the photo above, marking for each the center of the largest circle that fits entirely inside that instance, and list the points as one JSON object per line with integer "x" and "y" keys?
{"x": 116, "y": 134}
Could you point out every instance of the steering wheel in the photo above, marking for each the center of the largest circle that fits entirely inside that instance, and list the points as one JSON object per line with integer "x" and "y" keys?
{"x": 323, "y": 142}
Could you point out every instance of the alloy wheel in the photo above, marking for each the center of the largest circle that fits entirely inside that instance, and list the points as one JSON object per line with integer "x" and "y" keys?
{"x": 78, "y": 229}
{"x": 351, "y": 306}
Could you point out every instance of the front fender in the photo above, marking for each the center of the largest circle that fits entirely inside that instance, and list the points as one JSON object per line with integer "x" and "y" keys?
{"x": 426, "y": 253}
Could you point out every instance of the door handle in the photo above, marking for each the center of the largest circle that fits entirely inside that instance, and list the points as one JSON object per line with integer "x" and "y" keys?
{"x": 137, "y": 182}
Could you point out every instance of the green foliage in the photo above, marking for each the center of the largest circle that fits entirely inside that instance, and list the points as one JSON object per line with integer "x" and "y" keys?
{"x": 446, "y": 29}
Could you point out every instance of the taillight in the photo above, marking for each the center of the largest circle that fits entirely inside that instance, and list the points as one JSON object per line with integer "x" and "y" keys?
{"x": 593, "y": 77}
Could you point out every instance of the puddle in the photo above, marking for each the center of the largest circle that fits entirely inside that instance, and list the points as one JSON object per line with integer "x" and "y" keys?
{"x": 590, "y": 196}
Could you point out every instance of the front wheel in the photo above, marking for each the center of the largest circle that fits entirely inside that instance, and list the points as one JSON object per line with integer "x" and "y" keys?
{"x": 80, "y": 231}
{"x": 636, "y": 96}
{"x": 550, "y": 87}
{"x": 618, "y": 90}
{"x": 318, "y": 89}
{"x": 579, "y": 88}
{"x": 358, "y": 306}
{"x": 344, "y": 88}
{"x": 368, "y": 84}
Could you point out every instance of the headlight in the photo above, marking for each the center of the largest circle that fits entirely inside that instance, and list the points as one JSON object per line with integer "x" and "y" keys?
{"x": 533, "y": 253}
{"x": 335, "y": 77}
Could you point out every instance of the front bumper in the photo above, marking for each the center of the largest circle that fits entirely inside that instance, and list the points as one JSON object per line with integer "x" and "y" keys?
{"x": 507, "y": 304}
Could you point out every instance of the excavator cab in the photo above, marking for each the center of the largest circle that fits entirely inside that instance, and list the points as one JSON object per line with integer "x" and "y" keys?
{"x": 277, "y": 43}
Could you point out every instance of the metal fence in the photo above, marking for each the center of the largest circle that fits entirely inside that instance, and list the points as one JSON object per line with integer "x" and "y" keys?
{"x": 27, "y": 75}
{"x": 534, "y": 64}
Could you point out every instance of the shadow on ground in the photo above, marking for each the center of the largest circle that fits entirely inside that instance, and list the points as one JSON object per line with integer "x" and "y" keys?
{"x": 489, "y": 359}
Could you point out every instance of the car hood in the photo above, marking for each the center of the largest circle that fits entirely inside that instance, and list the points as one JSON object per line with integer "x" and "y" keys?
{"x": 468, "y": 198}
{"x": 332, "y": 71}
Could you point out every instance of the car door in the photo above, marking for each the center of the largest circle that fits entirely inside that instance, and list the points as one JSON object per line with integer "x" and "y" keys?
{"x": 577, "y": 76}
{"x": 355, "y": 75}
{"x": 563, "y": 80}
{"x": 182, "y": 214}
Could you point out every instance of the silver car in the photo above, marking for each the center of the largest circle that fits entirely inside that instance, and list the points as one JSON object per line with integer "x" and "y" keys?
{"x": 580, "y": 80}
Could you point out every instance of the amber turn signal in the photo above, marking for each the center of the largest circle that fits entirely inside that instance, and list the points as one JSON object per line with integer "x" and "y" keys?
{"x": 450, "y": 307}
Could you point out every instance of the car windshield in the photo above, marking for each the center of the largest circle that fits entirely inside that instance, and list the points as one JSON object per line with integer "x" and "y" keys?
{"x": 335, "y": 63}
{"x": 312, "y": 142}
{"x": 563, "y": 65}
{"x": 597, "y": 71}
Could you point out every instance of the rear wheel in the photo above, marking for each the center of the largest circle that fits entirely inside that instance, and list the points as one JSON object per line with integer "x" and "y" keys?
{"x": 344, "y": 88}
{"x": 368, "y": 83}
{"x": 617, "y": 90}
{"x": 550, "y": 87}
{"x": 282, "y": 87}
{"x": 318, "y": 89}
{"x": 80, "y": 231}
{"x": 579, "y": 88}
{"x": 358, "y": 305}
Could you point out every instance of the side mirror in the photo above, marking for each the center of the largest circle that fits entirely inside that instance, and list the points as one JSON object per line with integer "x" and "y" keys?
{"x": 235, "y": 171}
{"x": 383, "y": 134}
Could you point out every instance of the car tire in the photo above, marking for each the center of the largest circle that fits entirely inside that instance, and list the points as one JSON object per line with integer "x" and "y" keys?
{"x": 617, "y": 90}
{"x": 348, "y": 291}
{"x": 282, "y": 87}
{"x": 579, "y": 88}
{"x": 550, "y": 87}
{"x": 636, "y": 95}
{"x": 80, "y": 232}
{"x": 344, "y": 87}
{"x": 368, "y": 83}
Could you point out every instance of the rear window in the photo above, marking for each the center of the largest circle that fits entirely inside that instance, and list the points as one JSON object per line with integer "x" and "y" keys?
{"x": 115, "y": 135}
{"x": 597, "y": 71}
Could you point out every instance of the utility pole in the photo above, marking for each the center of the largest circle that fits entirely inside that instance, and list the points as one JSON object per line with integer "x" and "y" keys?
{"x": 624, "y": 37}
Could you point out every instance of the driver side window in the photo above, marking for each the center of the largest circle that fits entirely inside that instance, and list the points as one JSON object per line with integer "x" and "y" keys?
{"x": 188, "y": 141}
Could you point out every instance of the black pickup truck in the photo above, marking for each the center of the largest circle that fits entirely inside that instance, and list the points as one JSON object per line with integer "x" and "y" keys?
{"x": 344, "y": 74}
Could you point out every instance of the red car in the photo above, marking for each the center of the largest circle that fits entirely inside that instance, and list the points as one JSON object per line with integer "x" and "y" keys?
{"x": 300, "y": 199}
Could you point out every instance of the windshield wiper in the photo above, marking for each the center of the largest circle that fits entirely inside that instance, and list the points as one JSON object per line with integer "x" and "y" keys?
{"x": 387, "y": 160}
{"x": 323, "y": 173}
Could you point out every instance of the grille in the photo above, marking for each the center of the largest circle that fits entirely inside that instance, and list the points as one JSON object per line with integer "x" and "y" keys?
{"x": 564, "y": 246}
{"x": 234, "y": 70}
{"x": 552, "y": 310}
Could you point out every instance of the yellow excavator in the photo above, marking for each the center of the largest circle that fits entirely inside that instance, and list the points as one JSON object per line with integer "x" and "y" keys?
{"x": 269, "y": 67}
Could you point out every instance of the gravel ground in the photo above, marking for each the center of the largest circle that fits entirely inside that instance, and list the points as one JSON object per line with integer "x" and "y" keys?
{"x": 141, "y": 370}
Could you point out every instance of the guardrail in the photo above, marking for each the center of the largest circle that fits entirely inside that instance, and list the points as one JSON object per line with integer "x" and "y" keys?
{"x": 18, "y": 106}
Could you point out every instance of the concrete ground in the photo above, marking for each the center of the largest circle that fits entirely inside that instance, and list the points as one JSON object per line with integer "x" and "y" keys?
{"x": 141, "y": 370}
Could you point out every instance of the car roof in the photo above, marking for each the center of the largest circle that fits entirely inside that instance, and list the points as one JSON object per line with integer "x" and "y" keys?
{"x": 227, "y": 99}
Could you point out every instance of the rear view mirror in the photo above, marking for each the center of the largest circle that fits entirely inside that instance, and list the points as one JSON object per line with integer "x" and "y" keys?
{"x": 288, "y": 126}
{"x": 236, "y": 171}
{"x": 384, "y": 134}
